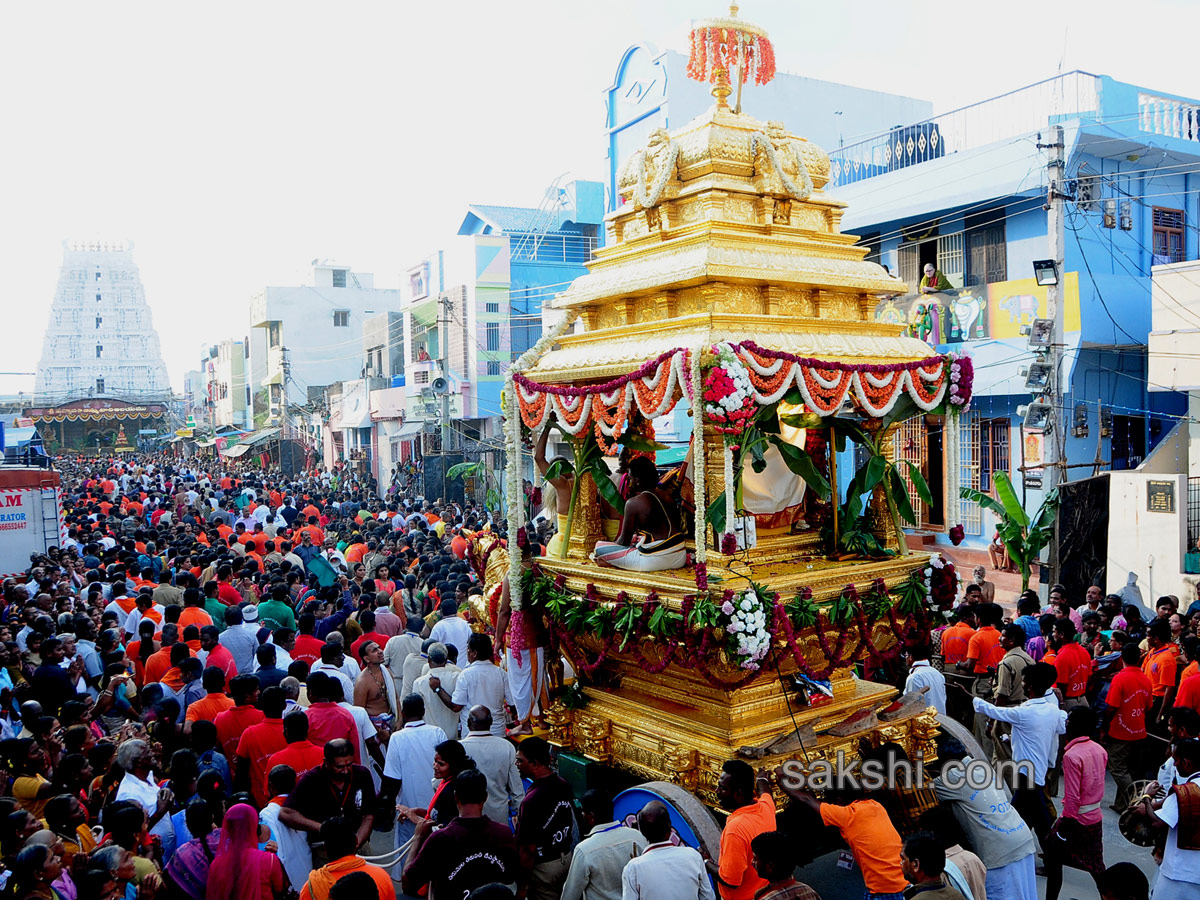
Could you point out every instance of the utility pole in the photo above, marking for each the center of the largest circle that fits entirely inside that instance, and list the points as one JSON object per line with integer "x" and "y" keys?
{"x": 1056, "y": 230}
{"x": 444, "y": 342}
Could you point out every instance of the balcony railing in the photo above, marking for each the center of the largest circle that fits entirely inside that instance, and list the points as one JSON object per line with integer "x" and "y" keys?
{"x": 1169, "y": 116}
{"x": 571, "y": 249}
{"x": 1023, "y": 111}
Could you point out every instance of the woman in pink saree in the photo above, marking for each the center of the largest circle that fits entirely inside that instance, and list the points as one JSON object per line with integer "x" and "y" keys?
{"x": 239, "y": 870}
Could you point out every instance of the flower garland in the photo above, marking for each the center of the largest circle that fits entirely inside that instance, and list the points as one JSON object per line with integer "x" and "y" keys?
{"x": 962, "y": 379}
{"x": 748, "y": 626}
{"x": 728, "y": 396}
{"x": 698, "y": 481}
{"x": 658, "y": 384}
{"x": 651, "y": 389}
{"x": 666, "y": 169}
{"x": 513, "y": 415}
{"x": 723, "y": 45}
{"x": 746, "y": 616}
{"x": 802, "y": 191}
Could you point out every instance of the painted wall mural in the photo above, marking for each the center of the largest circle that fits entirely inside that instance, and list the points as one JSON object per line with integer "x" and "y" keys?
{"x": 992, "y": 311}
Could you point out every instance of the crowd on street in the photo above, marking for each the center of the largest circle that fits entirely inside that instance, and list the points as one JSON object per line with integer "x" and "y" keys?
{"x": 235, "y": 684}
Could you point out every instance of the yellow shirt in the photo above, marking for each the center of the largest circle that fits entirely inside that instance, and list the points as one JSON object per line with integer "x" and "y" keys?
{"x": 25, "y": 790}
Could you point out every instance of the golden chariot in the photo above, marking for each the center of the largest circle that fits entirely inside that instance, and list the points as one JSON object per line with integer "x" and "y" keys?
{"x": 725, "y": 254}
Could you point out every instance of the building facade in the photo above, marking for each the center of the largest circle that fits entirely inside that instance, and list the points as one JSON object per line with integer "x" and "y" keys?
{"x": 305, "y": 337}
{"x": 227, "y": 393}
{"x": 966, "y": 193}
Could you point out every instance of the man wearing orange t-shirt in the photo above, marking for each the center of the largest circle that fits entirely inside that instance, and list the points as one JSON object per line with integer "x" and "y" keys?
{"x": 867, "y": 831}
{"x": 1159, "y": 666}
{"x": 983, "y": 650}
{"x": 244, "y": 713}
{"x": 957, "y": 637}
{"x": 300, "y": 753}
{"x": 751, "y": 812}
{"x": 214, "y": 702}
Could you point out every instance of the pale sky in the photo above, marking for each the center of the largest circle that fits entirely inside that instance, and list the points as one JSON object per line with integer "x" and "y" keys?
{"x": 233, "y": 142}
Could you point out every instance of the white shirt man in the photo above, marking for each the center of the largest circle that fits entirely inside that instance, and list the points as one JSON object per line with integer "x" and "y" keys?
{"x": 415, "y": 665}
{"x": 483, "y": 683}
{"x": 334, "y": 672}
{"x": 666, "y": 872}
{"x": 923, "y": 675}
{"x": 134, "y": 620}
{"x": 599, "y": 860}
{"x": 496, "y": 758}
{"x": 409, "y": 760}
{"x": 453, "y": 630}
{"x": 436, "y": 712}
{"x": 1036, "y": 725}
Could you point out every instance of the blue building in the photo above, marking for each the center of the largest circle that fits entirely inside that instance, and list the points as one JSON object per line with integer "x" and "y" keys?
{"x": 651, "y": 90}
{"x": 966, "y": 191}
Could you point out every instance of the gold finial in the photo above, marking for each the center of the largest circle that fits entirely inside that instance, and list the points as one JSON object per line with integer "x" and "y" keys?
{"x": 733, "y": 10}
{"x": 721, "y": 88}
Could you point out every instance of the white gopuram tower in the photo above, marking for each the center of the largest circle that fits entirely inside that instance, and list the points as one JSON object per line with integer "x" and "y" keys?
{"x": 101, "y": 340}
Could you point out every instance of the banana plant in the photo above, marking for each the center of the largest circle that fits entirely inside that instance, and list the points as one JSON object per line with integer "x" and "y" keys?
{"x": 492, "y": 495}
{"x": 1022, "y": 536}
{"x": 878, "y": 471}
{"x": 589, "y": 459}
{"x": 762, "y": 433}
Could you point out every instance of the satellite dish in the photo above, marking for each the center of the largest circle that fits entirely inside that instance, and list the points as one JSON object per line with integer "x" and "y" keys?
{"x": 440, "y": 385}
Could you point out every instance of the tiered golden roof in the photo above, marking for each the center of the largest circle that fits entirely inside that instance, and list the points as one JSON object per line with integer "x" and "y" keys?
{"x": 725, "y": 233}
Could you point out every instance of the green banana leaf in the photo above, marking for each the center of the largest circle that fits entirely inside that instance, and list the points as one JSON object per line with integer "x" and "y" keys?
{"x": 1008, "y": 497}
{"x": 799, "y": 462}
{"x": 919, "y": 484}
{"x": 900, "y": 497}
{"x": 604, "y": 484}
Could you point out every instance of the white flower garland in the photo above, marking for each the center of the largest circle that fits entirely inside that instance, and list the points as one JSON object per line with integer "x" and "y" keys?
{"x": 516, "y": 507}
{"x": 730, "y": 506}
{"x": 698, "y": 485}
{"x": 748, "y": 622}
{"x": 512, "y": 440}
{"x": 795, "y": 191}
{"x": 665, "y": 170}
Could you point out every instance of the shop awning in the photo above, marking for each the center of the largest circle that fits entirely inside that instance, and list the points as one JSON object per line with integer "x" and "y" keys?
{"x": 260, "y": 437}
{"x": 236, "y": 450}
{"x": 671, "y": 456}
{"x": 206, "y": 443}
{"x": 408, "y": 431}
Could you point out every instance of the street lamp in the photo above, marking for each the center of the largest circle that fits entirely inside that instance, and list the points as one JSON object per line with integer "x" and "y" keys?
{"x": 1045, "y": 272}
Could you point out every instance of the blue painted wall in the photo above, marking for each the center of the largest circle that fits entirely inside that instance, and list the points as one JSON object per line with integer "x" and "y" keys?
{"x": 651, "y": 90}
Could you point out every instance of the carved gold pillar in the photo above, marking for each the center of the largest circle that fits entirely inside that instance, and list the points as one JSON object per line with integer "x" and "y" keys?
{"x": 714, "y": 479}
{"x": 882, "y": 524}
{"x": 585, "y": 527}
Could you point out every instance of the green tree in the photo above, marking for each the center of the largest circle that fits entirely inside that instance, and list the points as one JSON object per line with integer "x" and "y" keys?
{"x": 1022, "y": 536}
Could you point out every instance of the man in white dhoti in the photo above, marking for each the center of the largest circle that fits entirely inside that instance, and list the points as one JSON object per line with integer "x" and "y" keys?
{"x": 523, "y": 638}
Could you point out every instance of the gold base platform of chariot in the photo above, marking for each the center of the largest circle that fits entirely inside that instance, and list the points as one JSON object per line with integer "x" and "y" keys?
{"x": 676, "y": 726}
